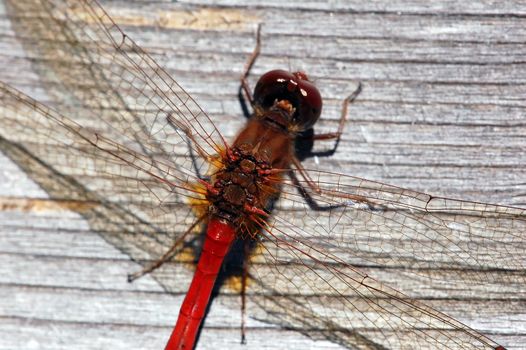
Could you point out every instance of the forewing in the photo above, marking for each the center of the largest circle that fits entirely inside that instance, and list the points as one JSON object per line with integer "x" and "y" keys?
{"x": 151, "y": 138}
{"x": 100, "y": 78}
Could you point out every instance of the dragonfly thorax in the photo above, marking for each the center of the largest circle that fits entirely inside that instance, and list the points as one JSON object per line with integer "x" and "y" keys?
{"x": 242, "y": 188}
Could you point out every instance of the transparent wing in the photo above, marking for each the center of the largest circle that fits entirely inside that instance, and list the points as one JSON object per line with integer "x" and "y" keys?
{"x": 111, "y": 90}
{"x": 136, "y": 203}
{"x": 332, "y": 259}
{"x": 91, "y": 70}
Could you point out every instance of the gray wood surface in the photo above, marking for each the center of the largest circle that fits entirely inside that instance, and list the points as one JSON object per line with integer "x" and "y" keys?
{"x": 442, "y": 111}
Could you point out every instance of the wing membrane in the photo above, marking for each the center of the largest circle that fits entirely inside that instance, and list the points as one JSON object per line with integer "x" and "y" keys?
{"x": 332, "y": 259}
{"x": 96, "y": 73}
{"x": 136, "y": 204}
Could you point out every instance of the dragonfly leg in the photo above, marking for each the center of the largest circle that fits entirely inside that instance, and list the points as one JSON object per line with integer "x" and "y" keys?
{"x": 246, "y": 249}
{"x": 303, "y": 191}
{"x": 336, "y": 134}
{"x": 248, "y": 67}
{"x": 166, "y": 256}
{"x": 173, "y": 123}
{"x": 305, "y": 175}
{"x": 313, "y": 204}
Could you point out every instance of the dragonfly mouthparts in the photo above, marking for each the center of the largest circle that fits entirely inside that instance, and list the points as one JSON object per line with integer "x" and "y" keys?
{"x": 286, "y": 106}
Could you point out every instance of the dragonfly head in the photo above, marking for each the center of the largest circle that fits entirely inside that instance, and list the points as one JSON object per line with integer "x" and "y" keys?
{"x": 291, "y": 92}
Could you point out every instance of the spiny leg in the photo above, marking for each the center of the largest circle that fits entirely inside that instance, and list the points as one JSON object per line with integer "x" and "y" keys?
{"x": 244, "y": 278}
{"x": 313, "y": 204}
{"x": 174, "y": 124}
{"x": 341, "y": 124}
{"x": 166, "y": 256}
{"x": 326, "y": 136}
{"x": 248, "y": 66}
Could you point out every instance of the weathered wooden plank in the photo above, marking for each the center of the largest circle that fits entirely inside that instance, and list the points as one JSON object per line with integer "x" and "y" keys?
{"x": 60, "y": 336}
{"x": 442, "y": 110}
{"x": 337, "y": 23}
{"x": 480, "y": 8}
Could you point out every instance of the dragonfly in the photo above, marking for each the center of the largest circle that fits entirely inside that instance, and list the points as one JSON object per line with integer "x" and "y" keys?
{"x": 132, "y": 146}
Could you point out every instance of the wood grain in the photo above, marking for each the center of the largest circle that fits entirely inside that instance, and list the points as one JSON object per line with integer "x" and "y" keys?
{"x": 442, "y": 111}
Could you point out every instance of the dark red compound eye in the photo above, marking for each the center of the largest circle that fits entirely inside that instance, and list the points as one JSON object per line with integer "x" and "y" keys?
{"x": 294, "y": 87}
